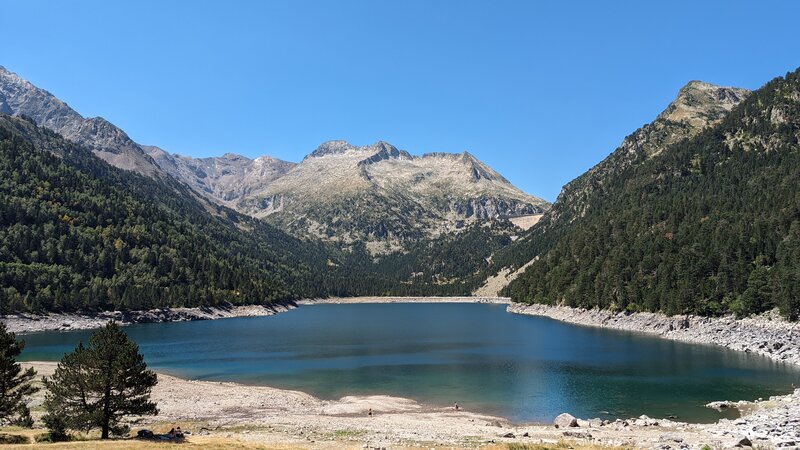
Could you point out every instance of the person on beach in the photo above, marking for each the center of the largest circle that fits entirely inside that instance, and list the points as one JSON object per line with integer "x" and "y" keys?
{"x": 370, "y": 412}
{"x": 455, "y": 406}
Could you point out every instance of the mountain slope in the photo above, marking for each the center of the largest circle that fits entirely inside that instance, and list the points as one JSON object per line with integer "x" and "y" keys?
{"x": 339, "y": 192}
{"x": 224, "y": 179}
{"x": 385, "y": 196}
{"x": 707, "y": 225}
{"x": 77, "y": 233}
{"x": 343, "y": 193}
{"x": 20, "y": 97}
{"x": 697, "y": 106}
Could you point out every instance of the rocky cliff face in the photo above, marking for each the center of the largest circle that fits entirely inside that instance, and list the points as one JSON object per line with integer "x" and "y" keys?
{"x": 20, "y": 97}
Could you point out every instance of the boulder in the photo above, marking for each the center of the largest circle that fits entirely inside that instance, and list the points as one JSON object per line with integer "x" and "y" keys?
{"x": 565, "y": 421}
{"x": 595, "y": 423}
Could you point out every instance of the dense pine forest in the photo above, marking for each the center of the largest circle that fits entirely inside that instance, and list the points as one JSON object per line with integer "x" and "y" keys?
{"x": 77, "y": 233}
{"x": 710, "y": 225}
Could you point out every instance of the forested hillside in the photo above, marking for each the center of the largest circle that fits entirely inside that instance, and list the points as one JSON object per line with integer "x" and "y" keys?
{"x": 454, "y": 264}
{"x": 77, "y": 233}
{"x": 708, "y": 225}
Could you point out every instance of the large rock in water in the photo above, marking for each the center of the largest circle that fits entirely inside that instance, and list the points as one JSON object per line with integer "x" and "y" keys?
{"x": 565, "y": 421}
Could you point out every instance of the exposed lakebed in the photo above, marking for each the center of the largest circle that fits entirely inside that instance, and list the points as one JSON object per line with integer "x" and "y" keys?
{"x": 520, "y": 367}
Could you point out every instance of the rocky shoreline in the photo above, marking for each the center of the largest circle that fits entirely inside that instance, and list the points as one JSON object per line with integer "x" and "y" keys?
{"x": 351, "y": 300}
{"x": 767, "y": 334}
{"x": 32, "y": 323}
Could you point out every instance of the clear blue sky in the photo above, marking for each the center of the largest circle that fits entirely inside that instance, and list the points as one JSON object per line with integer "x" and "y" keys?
{"x": 541, "y": 91}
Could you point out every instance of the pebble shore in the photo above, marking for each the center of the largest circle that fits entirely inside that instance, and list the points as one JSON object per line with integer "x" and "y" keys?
{"x": 767, "y": 334}
{"x": 32, "y": 323}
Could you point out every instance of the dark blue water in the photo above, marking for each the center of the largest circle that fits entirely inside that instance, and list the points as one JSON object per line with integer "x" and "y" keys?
{"x": 523, "y": 368}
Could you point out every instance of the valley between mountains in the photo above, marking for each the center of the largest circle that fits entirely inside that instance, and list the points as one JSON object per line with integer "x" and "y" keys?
{"x": 690, "y": 229}
{"x": 694, "y": 213}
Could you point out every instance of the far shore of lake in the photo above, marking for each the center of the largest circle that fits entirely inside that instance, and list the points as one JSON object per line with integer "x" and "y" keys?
{"x": 31, "y": 323}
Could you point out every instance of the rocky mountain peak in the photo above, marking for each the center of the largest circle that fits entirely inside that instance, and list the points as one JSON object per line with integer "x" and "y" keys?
{"x": 234, "y": 157}
{"x": 382, "y": 151}
{"x": 331, "y": 148}
{"x": 700, "y": 104}
{"x": 19, "y": 97}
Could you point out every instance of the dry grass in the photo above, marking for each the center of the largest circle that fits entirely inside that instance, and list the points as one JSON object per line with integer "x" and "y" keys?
{"x": 214, "y": 442}
{"x": 204, "y": 442}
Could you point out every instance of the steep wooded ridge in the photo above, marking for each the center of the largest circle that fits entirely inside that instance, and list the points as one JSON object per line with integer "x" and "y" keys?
{"x": 697, "y": 105}
{"x": 78, "y": 234}
{"x": 376, "y": 193}
{"x": 702, "y": 224}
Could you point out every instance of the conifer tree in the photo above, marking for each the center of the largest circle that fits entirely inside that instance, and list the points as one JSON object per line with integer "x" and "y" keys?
{"x": 15, "y": 383}
{"x": 99, "y": 384}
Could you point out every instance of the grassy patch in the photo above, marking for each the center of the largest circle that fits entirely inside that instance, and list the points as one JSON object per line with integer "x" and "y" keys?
{"x": 13, "y": 439}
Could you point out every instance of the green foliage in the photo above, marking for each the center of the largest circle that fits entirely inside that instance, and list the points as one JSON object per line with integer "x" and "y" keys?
{"x": 15, "y": 383}
{"x": 709, "y": 225}
{"x": 56, "y": 429}
{"x": 24, "y": 418}
{"x": 13, "y": 439}
{"x": 97, "y": 385}
{"x": 78, "y": 234}
{"x": 454, "y": 264}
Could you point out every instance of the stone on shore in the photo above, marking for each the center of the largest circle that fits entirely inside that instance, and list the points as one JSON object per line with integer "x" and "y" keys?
{"x": 565, "y": 420}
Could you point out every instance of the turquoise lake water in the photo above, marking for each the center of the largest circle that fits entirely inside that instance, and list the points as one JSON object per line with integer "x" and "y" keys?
{"x": 528, "y": 369}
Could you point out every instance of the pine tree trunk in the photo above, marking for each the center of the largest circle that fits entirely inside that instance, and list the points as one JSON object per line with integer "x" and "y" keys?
{"x": 106, "y": 412}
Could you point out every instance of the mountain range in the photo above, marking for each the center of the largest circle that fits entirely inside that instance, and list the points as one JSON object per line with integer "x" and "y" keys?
{"x": 374, "y": 193}
{"x": 695, "y": 212}
{"x": 339, "y": 192}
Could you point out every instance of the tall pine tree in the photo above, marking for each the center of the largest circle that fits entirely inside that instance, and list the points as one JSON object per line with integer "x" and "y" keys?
{"x": 97, "y": 385}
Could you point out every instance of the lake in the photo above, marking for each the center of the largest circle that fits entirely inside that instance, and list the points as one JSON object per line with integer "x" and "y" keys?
{"x": 528, "y": 369}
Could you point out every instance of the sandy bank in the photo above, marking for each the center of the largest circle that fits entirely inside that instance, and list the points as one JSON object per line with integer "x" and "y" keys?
{"x": 768, "y": 334}
{"x": 284, "y": 417}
